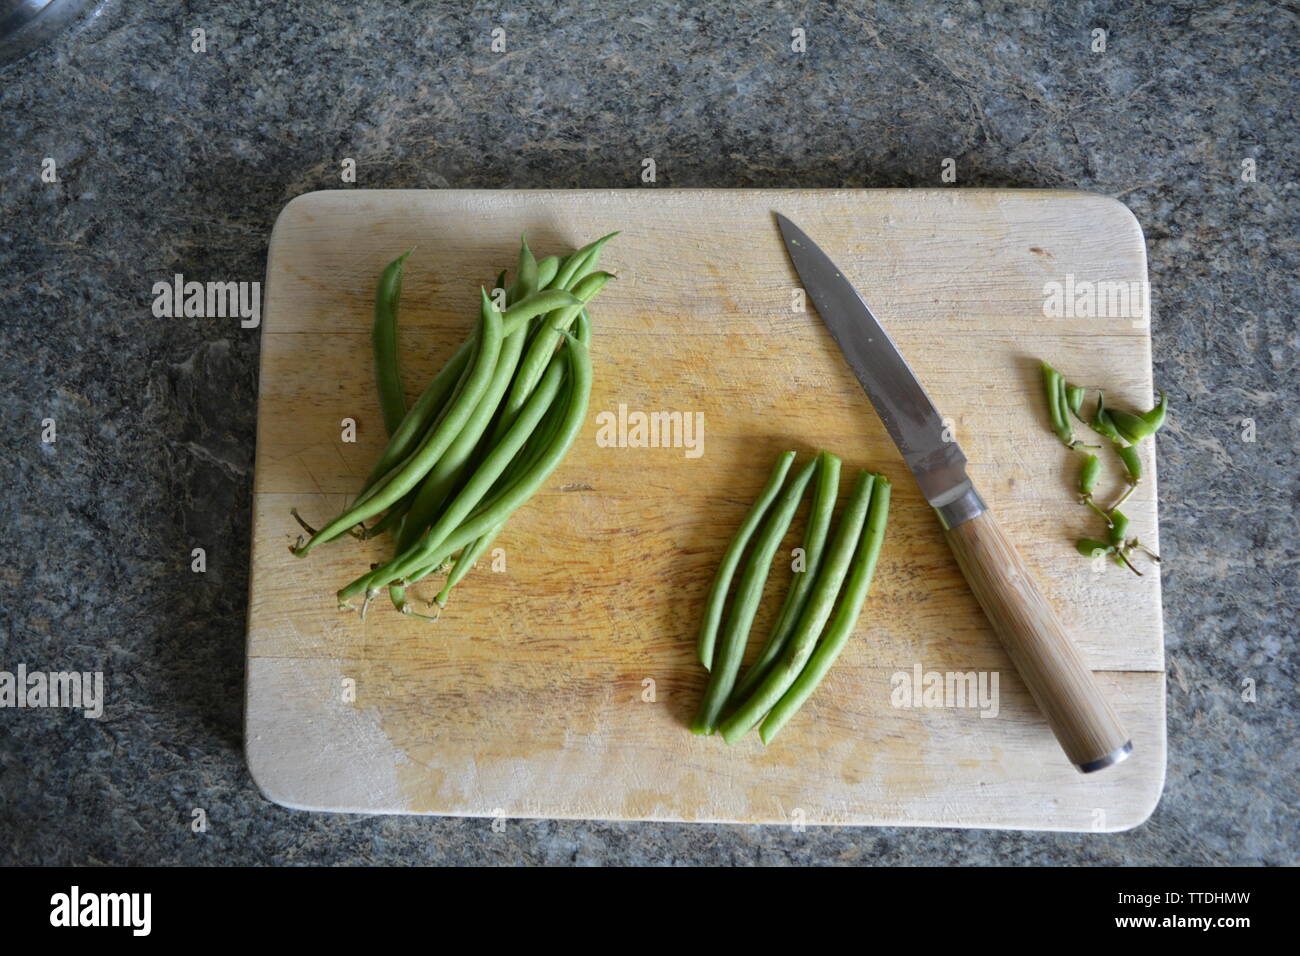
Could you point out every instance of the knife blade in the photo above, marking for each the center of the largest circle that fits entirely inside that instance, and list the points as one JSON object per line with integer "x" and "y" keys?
{"x": 911, "y": 418}
{"x": 1064, "y": 688}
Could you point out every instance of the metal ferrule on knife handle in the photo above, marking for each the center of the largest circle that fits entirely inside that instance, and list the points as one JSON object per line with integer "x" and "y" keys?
{"x": 1047, "y": 659}
{"x": 960, "y": 507}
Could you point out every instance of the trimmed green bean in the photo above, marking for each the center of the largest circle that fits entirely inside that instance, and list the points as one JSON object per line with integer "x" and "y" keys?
{"x": 383, "y": 334}
{"x": 814, "y": 617}
{"x": 744, "y": 605}
{"x": 825, "y": 494}
{"x": 846, "y": 616}
{"x": 717, "y": 598}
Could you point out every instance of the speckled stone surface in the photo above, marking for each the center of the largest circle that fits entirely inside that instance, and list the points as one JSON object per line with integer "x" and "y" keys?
{"x": 172, "y": 161}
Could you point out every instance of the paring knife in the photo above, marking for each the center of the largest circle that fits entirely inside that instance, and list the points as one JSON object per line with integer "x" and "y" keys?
{"x": 1048, "y": 661}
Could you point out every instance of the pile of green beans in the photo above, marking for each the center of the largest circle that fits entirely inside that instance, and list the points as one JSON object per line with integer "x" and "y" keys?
{"x": 801, "y": 646}
{"x": 483, "y": 436}
{"x": 1124, "y": 431}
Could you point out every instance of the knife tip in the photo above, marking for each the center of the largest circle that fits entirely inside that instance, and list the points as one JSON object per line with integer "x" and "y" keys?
{"x": 789, "y": 231}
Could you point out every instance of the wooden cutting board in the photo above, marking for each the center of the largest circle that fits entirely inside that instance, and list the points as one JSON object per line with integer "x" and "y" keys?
{"x": 562, "y": 686}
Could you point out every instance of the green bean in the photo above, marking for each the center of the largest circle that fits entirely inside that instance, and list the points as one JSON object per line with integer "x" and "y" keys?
{"x": 373, "y": 488}
{"x": 392, "y": 517}
{"x": 713, "y": 605}
{"x": 392, "y": 400}
{"x": 545, "y": 432}
{"x": 537, "y": 443}
{"x": 814, "y": 617}
{"x": 588, "y": 267}
{"x": 424, "y": 413}
{"x": 525, "y": 274}
{"x": 744, "y": 605}
{"x": 562, "y": 264}
{"x": 533, "y": 449}
{"x": 426, "y": 408}
{"x": 480, "y": 525}
{"x": 406, "y": 476}
{"x": 583, "y": 328}
{"x": 825, "y": 495}
{"x": 450, "y": 469}
{"x": 546, "y": 300}
{"x": 468, "y": 556}
{"x": 442, "y": 477}
{"x": 414, "y": 554}
{"x": 566, "y": 275}
{"x": 442, "y": 541}
{"x": 542, "y": 347}
{"x": 846, "y": 616}
{"x": 546, "y": 269}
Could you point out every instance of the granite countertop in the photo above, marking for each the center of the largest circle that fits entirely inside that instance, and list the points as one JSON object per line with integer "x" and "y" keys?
{"x": 170, "y": 160}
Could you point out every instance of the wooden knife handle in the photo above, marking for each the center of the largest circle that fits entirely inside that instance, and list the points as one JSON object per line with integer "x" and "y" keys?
{"x": 1048, "y": 661}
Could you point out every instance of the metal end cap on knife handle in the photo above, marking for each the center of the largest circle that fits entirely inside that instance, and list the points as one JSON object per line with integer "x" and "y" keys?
{"x": 1110, "y": 759}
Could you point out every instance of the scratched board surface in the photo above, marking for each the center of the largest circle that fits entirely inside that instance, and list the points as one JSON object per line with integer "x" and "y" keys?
{"x": 560, "y": 683}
